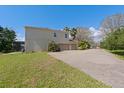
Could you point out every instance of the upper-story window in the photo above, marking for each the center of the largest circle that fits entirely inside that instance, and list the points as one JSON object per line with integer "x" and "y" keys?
{"x": 54, "y": 34}
{"x": 66, "y": 35}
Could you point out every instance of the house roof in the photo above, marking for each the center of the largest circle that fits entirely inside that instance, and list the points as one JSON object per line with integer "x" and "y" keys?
{"x": 44, "y": 29}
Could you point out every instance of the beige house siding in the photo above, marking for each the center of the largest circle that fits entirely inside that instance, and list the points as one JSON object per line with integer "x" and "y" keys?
{"x": 37, "y": 39}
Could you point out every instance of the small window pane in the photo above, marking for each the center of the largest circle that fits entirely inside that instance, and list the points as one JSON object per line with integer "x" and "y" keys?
{"x": 54, "y": 34}
{"x": 66, "y": 36}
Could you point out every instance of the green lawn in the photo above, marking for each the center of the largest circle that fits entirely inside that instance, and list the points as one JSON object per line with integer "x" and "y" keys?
{"x": 41, "y": 70}
{"x": 118, "y": 53}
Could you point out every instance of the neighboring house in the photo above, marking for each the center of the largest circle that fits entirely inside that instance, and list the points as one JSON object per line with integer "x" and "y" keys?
{"x": 18, "y": 45}
{"x": 37, "y": 39}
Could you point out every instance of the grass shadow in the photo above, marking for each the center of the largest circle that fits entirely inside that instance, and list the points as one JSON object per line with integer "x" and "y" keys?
{"x": 118, "y": 52}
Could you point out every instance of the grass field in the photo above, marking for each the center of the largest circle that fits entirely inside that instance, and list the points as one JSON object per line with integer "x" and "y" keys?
{"x": 41, "y": 70}
{"x": 118, "y": 53}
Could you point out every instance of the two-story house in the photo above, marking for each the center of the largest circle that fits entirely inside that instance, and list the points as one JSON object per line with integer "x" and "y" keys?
{"x": 37, "y": 39}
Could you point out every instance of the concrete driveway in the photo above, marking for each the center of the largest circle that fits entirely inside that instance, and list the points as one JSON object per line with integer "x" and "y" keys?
{"x": 98, "y": 63}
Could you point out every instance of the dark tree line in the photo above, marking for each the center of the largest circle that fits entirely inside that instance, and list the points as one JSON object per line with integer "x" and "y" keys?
{"x": 7, "y": 37}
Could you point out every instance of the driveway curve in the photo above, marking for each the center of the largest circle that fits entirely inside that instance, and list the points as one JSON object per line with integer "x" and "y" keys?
{"x": 98, "y": 63}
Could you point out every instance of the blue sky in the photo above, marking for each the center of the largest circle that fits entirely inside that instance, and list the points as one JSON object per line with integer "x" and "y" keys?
{"x": 54, "y": 17}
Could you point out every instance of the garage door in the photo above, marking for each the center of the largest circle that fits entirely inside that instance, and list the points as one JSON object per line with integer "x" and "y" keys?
{"x": 67, "y": 46}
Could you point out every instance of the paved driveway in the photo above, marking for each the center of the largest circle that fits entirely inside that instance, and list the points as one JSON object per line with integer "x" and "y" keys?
{"x": 98, "y": 63}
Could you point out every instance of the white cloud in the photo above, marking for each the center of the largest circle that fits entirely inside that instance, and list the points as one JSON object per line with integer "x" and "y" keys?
{"x": 20, "y": 37}
{"x": 92, "y": 29}
{"x": 97, "y": 34}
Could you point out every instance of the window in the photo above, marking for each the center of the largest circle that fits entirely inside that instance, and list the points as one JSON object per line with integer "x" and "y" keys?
{"x": 66, "y": 36}
{"x": 54, "y": 34}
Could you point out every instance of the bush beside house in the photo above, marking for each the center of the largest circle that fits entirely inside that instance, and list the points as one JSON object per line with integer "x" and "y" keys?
{"x": 53, "y": 47}
{"x": 83, "y": 45}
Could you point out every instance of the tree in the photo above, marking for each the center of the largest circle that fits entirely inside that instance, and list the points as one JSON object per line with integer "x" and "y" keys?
{"x": 114, "y": 40}
{"x": 72, "y": 32}
{"x": 86, "y": 35}
{"x": 7, "y": 37}
{"x": 81, "y": 34}
{"x": 111, "y": 23}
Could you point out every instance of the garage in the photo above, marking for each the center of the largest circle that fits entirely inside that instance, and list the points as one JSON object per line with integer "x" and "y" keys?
{"x": 67, "y": 46}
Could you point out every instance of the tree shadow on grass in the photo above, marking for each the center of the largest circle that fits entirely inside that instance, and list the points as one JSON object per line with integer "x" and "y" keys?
{"x": 118, "y": 52}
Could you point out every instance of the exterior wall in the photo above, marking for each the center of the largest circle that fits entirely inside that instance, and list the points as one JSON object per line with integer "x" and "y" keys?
{"x": 37, "y": 39}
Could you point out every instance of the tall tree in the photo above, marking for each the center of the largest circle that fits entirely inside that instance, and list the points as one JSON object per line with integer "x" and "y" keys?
{"x": 114, "y": 40}
{"x": 7, "y": 37}
{"x": 111, "y": 23}
{"x": 86, "y": 35}
{"x": 83, "y": 34}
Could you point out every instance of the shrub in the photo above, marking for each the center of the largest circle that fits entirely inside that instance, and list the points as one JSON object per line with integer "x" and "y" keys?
{"x": 53, "y": 47}
{"x": 114, "y": 40}
{"x": 83, "y": 45}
